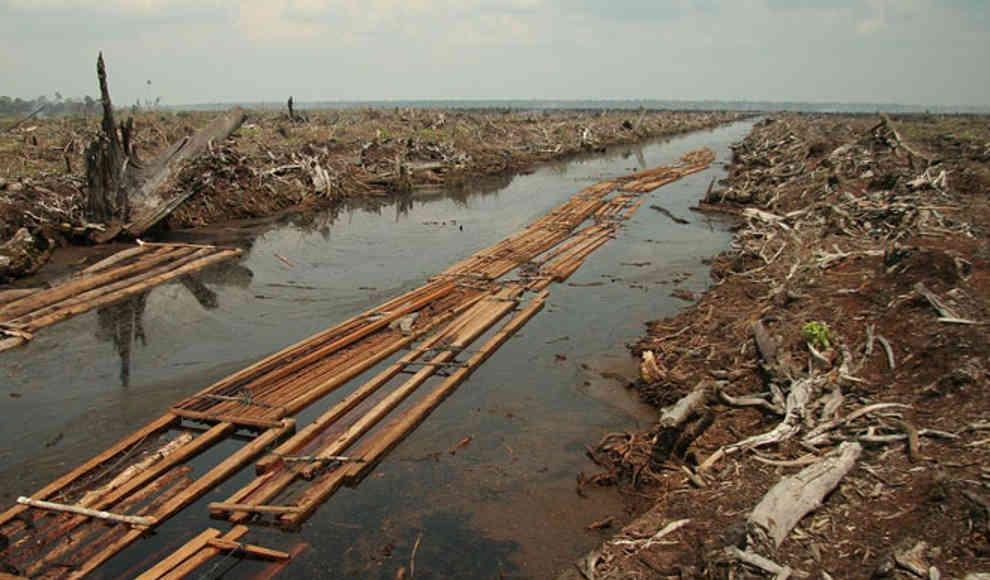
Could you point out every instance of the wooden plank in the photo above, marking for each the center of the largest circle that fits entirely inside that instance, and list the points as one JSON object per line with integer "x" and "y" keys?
{"x": 272, "y": 488}
{"x": 236, "y": 420}
{"x": 261, "y": 509}
{"x": 478, "y": 322}
{"x": 321, "y": 423}
{"x": 115, "y": 258}
{"x": 273, "y": 568}
{"x": 203, "y": 555}
{"x": 158, "y": 424}
{"x": 249, "y": 549}
{"x": 416, "y": 414}
{"x": 320, "y": 390}
{"x": 224, "y": 469}
{"x": 203, "y": 484}
{"x": 409, "y": 420}
{"x": 17, "y": 293}
{"x": 264, "y": 488}
{"x": 79, "y": 308}
{"x": 266, "y": 364}
{"x": 360, "y": 333}
{"x": 108, "y": 535}
{"x": 58, "y": 293}
{"x": 75, "y": 299}
{"x": 98, "y": 559}
{"x": 195, "y": 447}
{"x": 188, "y": 549}
{"x": 11, "y": 342}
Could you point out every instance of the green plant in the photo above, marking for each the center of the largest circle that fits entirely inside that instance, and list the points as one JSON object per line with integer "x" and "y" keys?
{"x": 817, "y": 333}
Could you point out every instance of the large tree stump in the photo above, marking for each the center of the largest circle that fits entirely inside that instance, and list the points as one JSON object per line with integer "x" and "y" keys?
{"x": 128, "y": 194}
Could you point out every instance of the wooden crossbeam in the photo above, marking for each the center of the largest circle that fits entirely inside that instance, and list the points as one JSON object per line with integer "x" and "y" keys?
{"x": 98, "y": 514}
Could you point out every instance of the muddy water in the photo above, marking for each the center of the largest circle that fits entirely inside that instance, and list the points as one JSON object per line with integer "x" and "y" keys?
{"x": 505, "y": 502}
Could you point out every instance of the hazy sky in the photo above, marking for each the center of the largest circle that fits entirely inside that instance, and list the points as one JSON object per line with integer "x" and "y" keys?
{"x": 928, "y": 52}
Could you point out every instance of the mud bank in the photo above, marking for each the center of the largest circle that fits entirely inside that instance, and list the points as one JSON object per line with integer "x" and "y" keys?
{"x": 824, "y": 404}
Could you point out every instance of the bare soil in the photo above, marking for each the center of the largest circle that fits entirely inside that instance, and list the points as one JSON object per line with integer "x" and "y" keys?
{"x": 854, "y": 221}
{"x": 275, "y": 163}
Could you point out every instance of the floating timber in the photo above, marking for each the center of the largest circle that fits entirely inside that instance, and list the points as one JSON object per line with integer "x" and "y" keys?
{"x": 204, "y": 547}
{"x": 121, "y": 275}
{"x": 138, "y": 483}
{"x": 424, "y": 342}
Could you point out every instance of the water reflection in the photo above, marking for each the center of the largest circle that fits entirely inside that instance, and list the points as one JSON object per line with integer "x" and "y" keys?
{"x": 122, "y": 322}
{"x": 322, "y": 221}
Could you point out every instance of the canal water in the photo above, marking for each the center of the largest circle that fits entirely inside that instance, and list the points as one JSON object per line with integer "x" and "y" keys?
{"x": 501, "y": 505}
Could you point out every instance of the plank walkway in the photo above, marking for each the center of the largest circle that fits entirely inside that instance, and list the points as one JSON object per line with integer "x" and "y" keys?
{"x": 24, "y": 312}
{"x": 147, "y": 477}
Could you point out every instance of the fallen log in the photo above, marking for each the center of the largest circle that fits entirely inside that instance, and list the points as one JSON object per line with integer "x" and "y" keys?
{"x": 794, "y": 497}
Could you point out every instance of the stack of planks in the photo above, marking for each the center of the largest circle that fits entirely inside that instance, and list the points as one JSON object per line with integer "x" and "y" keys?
{"x": 202, "y": 548}
{"x": 647, "y": 181}
{"x": 312, "y": 455}
{"x": 74, "y": 525}
{"x": 22, "y": 313}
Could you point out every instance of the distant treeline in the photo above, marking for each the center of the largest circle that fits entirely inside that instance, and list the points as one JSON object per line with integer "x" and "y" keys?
{"x": 47, "y": 106}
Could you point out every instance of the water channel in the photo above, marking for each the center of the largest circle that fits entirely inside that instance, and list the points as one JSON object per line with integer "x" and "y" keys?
{"x": 504, "y": 504}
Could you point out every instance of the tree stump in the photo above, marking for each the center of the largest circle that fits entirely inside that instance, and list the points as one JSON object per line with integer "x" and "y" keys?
{"x": 127, "y": 194}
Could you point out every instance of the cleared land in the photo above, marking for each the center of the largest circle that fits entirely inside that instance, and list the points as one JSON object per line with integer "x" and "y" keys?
{"x": 824, "y": 406}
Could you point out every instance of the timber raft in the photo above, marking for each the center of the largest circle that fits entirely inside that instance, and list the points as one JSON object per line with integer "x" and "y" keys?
{"x": 24, "y": 312}
{"x": 77, "y": 523}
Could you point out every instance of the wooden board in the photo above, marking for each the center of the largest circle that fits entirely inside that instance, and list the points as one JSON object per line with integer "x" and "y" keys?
{"x": 121, "y": 275}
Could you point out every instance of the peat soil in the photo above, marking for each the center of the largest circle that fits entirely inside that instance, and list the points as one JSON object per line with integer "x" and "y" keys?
{"x": 275, "y": 163}
{"x": 862, "y": 261}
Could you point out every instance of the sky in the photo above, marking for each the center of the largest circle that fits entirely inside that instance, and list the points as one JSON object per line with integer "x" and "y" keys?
{"x": 913, "y": 52}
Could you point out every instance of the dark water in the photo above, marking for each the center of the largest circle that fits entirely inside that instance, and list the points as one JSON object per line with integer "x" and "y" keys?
{"x": 506, "y": 502}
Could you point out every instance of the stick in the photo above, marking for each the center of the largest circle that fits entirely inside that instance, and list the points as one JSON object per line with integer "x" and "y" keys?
{"x": 757, "y": 561}
{"x": 944, "y": 311}
{"x": 28, "y": 118}
{"x": 412, "y": 557}
{"x": 655, "y": 538}
{"x": 914, "y": 452}
{"x": 98, "y": 514}
{"x": 667, "y": 213}
{"x": 888, "y": 350}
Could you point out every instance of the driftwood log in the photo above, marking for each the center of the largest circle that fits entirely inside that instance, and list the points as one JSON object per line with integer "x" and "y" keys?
{"x": 131, "y": 195}
{"x": 681, "y": 423}
{"x": 792, "y": 498}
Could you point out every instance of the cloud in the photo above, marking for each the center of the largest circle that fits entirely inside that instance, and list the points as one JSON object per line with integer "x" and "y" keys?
{"x": 195, "y": 50}
{"x": 274, "y": 20}
{"x": 124, "y": 7}
{"x": 881, "y": 14}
